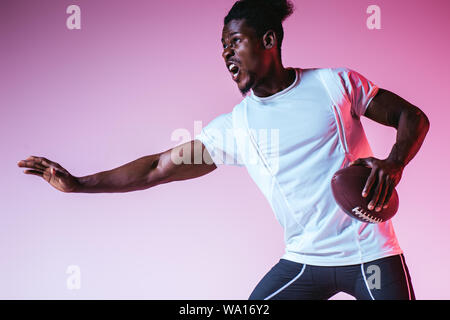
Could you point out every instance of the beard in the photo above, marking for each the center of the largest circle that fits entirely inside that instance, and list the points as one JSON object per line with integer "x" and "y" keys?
{"x": 248, "y": 85}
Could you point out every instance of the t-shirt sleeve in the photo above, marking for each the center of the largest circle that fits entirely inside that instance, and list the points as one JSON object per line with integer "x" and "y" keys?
{"x": 359, "y": 89}
{"x": 219, "y": 139}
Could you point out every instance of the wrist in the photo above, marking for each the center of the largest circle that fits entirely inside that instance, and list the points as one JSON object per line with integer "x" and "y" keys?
{"x": 78, "y": 185}
{"x": 395, "y": 161}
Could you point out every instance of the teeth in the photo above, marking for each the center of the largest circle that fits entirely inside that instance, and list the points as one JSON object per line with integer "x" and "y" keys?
{"x": 231, "y": 66}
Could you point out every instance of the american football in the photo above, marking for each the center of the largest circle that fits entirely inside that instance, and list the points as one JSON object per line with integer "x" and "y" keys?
{"x": 347, "y": 185}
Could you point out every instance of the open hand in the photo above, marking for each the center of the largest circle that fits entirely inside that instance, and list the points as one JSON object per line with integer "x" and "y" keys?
{"x": 51, "y": 172}
{"x": 383, "y": 178}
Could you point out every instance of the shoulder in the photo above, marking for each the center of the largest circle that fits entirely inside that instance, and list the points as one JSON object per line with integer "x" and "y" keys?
{"x": 334, "y": 77}
{"x": 340, "y": 74}
{"x": 348, "y": 76}
{"x": 222, "y": 121}
{"x": 340, "y": 70}
{"x": 345, "y": 76}
{"x": 334, "y": 70}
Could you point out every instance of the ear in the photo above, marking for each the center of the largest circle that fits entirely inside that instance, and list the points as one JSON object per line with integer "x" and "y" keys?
{"x": 269, "y": 39}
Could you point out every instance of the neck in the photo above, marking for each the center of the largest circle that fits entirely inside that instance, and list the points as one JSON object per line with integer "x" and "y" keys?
{"x": 276, "y": 79}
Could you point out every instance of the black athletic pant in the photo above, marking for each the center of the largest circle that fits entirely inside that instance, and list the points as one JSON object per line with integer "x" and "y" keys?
{"x": 383, "y": 279}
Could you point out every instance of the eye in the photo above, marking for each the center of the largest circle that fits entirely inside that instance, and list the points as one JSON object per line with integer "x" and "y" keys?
{"x": 236, "y": 40}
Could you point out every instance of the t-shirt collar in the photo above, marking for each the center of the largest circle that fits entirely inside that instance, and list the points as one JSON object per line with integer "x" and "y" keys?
{"x": 282, "y": 92}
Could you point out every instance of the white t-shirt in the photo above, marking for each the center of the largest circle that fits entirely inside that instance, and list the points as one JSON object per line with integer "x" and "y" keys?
{"x": 292, "y": 143}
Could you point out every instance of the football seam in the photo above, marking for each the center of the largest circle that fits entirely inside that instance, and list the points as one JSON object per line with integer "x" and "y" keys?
{"x": 360, "y": 213}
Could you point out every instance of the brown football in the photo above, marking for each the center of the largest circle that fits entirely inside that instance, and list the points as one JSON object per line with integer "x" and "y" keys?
{"x": 347, "y": 185}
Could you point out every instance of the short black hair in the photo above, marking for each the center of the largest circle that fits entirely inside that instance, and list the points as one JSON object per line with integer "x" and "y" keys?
{"x": 262, "y": 15}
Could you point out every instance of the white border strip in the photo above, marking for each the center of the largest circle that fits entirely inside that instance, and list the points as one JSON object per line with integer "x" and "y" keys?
{"x": 365, "y": 280}
{"x": 406, "y": 277}
{"x": 287, "y": 284}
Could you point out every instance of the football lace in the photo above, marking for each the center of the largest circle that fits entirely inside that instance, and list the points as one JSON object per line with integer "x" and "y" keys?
{"x": 363, "y": 214}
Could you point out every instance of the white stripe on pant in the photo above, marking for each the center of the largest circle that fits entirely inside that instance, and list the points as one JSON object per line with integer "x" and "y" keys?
{"x": 287, "y": 284}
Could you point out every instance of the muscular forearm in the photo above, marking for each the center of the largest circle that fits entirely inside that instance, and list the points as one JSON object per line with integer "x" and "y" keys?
{"x": 412, "y": 128}
{"x": 137, "y": 175}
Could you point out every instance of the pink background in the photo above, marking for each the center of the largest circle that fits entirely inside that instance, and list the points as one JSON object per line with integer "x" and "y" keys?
{"x": 96, "y": 98}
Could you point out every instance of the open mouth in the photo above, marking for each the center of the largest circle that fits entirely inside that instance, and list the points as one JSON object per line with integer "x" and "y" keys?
{"x": 234, "y": 69}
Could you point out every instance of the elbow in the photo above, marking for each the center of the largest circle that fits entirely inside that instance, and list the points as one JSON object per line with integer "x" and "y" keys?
{"x": 422, "y": 119}
{"x": 159, "y": 171}
{"x": 425, "y": 122}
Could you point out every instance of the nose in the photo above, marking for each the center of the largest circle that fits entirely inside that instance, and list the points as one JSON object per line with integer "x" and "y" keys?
{"x": 227, "y": 53}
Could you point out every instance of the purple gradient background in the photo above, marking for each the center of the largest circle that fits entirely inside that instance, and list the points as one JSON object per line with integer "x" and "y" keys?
{"x": 96, "y": 98}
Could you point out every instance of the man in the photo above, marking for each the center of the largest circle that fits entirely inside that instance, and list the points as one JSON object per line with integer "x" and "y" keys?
{"x": 313, "y": 116}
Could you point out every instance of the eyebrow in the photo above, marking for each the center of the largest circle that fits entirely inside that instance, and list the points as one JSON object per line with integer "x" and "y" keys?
{"x": 233, "y": 33}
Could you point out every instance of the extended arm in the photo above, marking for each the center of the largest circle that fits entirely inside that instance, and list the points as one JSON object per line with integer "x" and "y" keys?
{"x": 412, "y": 126}
{"x": 146, "y": 172}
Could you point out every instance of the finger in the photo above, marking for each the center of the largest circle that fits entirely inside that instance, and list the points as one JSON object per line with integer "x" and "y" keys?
{"x": 47, "y": 163}
{"x": 41, "y": 160}
{"x": 369, "y": 183}
{"x": 388, "y": 195}
{"x": 31, "y": 164}
{"x": 34, "y": 172}
{"x": 377, "y": 189}
{"x": 379, "y": 203}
